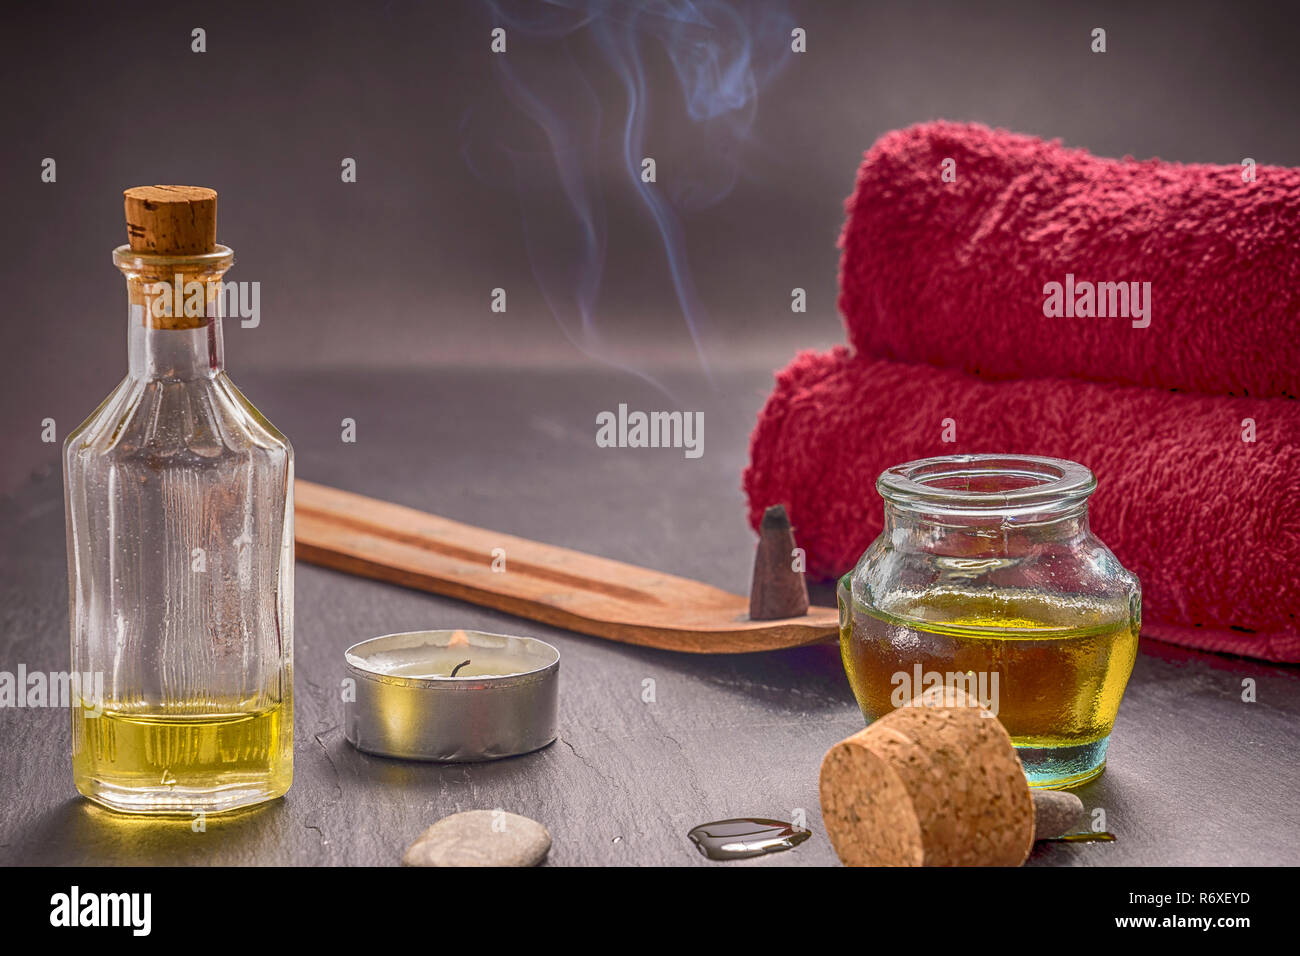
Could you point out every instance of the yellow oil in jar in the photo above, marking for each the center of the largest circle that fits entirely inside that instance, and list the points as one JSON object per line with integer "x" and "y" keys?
{"x": 1053, "y": 670}
{"x": 182, "y": 763}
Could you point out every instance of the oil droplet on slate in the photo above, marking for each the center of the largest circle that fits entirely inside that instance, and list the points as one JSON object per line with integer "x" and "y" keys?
{"x": 1102, "y": 837}
{"x": 745, "y": 837}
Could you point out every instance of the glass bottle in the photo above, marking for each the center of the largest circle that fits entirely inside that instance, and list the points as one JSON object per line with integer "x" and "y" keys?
{"x": 179, "y": 500}
{"x": 987, "y": 577}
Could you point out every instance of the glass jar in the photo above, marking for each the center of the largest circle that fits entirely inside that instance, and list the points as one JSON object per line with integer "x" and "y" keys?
{"x": 179, "y": 499}
{"x": 987, "y": 578}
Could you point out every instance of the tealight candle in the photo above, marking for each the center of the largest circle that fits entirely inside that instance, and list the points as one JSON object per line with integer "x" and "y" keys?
{"x": 451, "y": 695}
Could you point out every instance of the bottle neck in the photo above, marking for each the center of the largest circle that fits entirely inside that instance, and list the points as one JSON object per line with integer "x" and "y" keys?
{"x": 174, "y": 313}
{"x": 174, "y": 354}
{"x": 963, "y": 534}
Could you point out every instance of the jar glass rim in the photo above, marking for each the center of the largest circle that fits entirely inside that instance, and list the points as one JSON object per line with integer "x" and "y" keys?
{"x": 987, "y": 482}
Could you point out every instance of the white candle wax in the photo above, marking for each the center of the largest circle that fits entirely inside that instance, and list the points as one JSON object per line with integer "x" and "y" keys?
{"x": 440, "y": 653}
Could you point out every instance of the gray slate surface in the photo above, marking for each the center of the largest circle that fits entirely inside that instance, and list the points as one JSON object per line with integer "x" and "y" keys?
{"x": 1196, "y": 776}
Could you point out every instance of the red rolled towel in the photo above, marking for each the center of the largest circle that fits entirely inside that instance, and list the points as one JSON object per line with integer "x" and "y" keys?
{"x": 954, "y": 273}
{"x": 1209, "y": 522}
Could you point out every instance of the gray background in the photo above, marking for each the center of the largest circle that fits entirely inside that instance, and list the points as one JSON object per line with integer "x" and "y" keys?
{"x": 375, "y": 306}
{"x": 396, "y": 269}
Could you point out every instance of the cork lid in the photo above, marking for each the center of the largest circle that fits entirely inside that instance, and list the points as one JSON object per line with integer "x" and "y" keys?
{"x": 171, "y": 220}
{"x": 935, "y": 783}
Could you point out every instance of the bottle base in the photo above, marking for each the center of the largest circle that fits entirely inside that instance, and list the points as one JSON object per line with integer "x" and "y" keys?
{"x": 182, "y": 764}
{"x": 178, "y": 801}
{"x": 1063, "y": 768}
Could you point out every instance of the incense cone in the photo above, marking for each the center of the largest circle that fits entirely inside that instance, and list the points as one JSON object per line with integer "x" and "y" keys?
{"x": 935, "y": 783}
{"x": 778, "y": 590}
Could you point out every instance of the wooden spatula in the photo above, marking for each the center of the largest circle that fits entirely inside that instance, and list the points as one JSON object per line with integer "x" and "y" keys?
{"x": 570, "y": 589}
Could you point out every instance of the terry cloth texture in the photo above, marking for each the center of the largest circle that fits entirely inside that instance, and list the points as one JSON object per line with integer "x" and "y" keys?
{"x": 1209, "y": 523}
{"x": 952, "y": 274}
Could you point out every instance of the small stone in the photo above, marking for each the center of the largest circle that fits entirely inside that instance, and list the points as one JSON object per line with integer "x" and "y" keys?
{"x": 1056, "y": 812}
{"x": 480, "y": 838}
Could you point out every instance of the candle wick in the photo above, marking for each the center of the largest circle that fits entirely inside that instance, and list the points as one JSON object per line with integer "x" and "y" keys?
{"x": 457, "y": 668}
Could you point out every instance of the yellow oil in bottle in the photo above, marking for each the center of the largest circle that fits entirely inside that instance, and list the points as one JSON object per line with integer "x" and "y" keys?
{"x": 182, "y": 763}
{"x": 1053, "y": 670}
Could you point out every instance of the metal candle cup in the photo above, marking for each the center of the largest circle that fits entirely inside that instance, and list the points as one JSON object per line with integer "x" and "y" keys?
{"x": 406, "y": 703}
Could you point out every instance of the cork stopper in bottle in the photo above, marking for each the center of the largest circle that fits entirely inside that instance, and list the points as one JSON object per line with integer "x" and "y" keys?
{"x": 173, "y": 224}
{"x": 171, "y": 220}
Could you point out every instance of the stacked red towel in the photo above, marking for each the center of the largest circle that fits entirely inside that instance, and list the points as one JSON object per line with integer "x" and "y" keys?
{"x": 1209, "y": 522}
{"x": 951, "y": 273}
